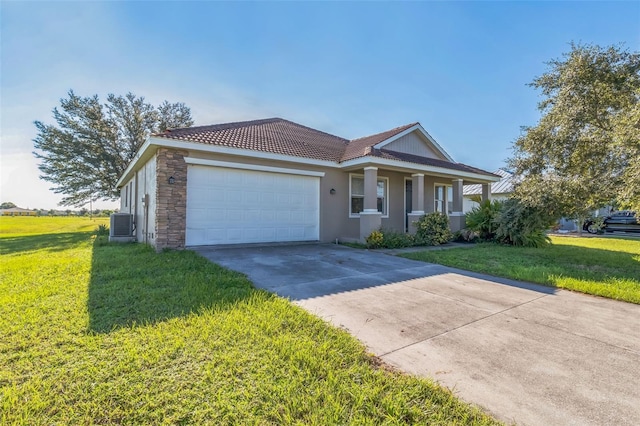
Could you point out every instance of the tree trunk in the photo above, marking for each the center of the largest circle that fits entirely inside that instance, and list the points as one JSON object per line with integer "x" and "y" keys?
{"x": 581, "y": 220}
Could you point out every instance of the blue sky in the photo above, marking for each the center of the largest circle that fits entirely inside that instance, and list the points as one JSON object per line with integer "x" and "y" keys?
{"x": 351, "y": 69}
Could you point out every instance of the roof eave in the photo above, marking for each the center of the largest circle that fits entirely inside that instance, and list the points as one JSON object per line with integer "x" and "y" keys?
{"x": 148, "y": 149}
{"x": 414, "y": 167}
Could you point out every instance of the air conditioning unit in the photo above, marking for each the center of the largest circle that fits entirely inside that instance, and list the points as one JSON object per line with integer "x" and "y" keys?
{"x": 121, "y": 229}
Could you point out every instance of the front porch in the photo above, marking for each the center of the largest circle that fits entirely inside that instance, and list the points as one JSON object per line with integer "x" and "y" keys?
{"x": 397, "y": 199}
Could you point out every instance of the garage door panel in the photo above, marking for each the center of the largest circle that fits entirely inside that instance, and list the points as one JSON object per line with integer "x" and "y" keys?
{"x": 227, "y": 206}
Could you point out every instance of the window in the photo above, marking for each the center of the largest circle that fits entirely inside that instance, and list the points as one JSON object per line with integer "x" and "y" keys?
{"x": 126, "y": 195}
{"x": 439, "y": 198}
{"x": 357, "y": 195}
{"x": 449, "y": 199}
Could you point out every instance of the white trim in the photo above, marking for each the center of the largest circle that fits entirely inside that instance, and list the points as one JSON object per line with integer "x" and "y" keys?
{"x": 370, "y": 168}
{"x": 419, "y": 127}
{"x": 370, "y": 211}
{"x": 146, "y": 152}
{"x": 445, "y": 201}
{"x": 406, "y": 220}
{"x": 244, "y": 166}
{"x": 134, "y": 162}
{"x": 403, "y": 165}
{"x": 419, "y": 174}
{"x": 200, "y": 147}
{"x": 457, "y": 180}
{"x": 456, "y": 214}
{"x": 367, "y": 211}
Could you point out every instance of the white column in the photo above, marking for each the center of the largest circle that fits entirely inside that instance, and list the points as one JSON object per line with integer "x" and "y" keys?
{"x": 457, "y": 217}
{"x": 417, "y": 201}
{"x": 417, "y": 193}
{"x": 457, "y": 195}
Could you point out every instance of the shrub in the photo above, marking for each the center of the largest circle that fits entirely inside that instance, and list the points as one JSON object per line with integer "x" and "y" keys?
{"x": 393, "y": 239}
{"x": 465, "y": 235}
{"x": 386, "y": 238}
{"x": 433, "y": 229}
{"x": 375, "y": 239}
{"x": 522, "y": 225}
{"x": 482, "y": 219}
{"x": 102, "y": 230}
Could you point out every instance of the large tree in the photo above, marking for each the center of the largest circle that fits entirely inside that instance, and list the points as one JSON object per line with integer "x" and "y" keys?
{"x": 584, "y": 153}
{"x": 92, "y": 143}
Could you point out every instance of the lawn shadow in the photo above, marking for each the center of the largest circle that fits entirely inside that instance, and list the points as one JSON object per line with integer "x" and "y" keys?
{"x": 588, "y": 263}
{"x": 132, "y": 285}
{"x": 50, "y": 242}
{"x": 599, "y": 271}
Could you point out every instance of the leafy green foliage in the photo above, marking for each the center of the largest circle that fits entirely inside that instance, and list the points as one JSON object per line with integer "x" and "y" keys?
{"x": 585, "y": 150}
{"x": 389, "y": 239}
{"x": 522, "y": 225}
{"x": 7, "y": 205}
{"x": 375, "y": 240}
{"x": 392, "y": 239}
{"x": 433, "y": 229}
{"x": 465, "y": 235}
{"x": 118, "y": 334}
{"x": 482, "y": 219}
{"x": 607, "y": 267}
{"x": 103, "y": 230}
{"x": 92, "y": 144}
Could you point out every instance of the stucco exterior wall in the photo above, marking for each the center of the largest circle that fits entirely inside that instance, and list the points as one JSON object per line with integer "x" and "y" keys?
{"x": 132, "y": 193}
{"x": 146, "y": 202}
{"x": 162, "y": 222}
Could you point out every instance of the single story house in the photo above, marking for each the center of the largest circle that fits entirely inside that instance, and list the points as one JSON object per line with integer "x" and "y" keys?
{"x": 500, "y": 190}
{"x": 273, "y": 180}
{"x": 17, "y": 211}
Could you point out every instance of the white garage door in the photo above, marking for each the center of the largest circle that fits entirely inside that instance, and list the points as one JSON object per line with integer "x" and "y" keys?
{"x": 233, "y": 206}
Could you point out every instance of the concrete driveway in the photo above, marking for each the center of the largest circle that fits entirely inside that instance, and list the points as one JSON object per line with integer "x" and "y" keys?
{"x": 525, "y": 353}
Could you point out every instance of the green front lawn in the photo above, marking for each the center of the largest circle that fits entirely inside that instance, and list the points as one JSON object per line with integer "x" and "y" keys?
{"x": 608, "y": 267}
{"x": 96, "y": 333}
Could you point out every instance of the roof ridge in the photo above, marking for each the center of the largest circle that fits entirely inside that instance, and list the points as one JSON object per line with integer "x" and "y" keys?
{"x": 312, "y": 129}
{"x": 404, "y": 127}
{"x": 221, "y": 126}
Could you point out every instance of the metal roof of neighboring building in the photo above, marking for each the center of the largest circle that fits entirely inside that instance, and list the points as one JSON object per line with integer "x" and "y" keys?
{"x": 503, "y": 186}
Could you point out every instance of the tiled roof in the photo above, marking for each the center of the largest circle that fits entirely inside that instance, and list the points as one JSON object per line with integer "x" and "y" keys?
{"x": 279, "y": 136}
{"x": 417, "y": 159}
{"x": 503, "y": 186}
{"x": 273, "y": 135}
{"x": 362, "y": 146}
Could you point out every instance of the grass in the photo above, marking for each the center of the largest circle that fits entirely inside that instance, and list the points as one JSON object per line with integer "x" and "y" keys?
{"x": 607, "y": 267}
{"x": 99, "y": 333}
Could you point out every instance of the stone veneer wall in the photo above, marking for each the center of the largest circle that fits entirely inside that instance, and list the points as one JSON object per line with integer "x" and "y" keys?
{"x": 171, "y": 200}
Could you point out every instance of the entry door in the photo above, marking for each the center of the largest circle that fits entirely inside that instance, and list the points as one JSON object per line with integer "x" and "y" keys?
{"x": 408, "y": 200}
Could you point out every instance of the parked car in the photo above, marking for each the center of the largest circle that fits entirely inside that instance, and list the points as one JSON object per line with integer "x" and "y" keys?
{"x": 623, "y": 220}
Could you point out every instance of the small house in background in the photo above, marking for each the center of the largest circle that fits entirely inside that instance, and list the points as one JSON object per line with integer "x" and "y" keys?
{"x": 499, "y": 190}
{"x": 17, "y": 211}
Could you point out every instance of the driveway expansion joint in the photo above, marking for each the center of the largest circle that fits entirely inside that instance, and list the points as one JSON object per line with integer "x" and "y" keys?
{"x": 464, "y": 325}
